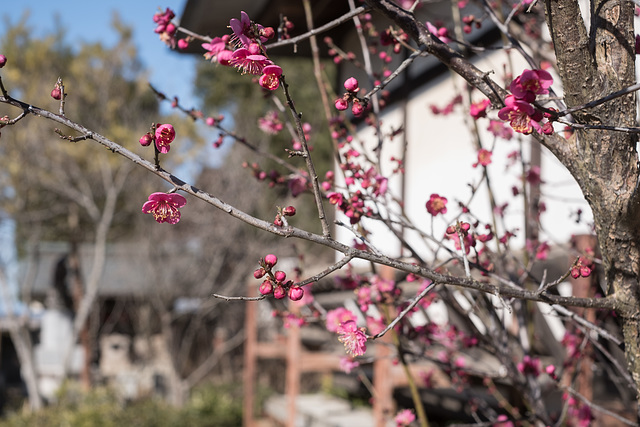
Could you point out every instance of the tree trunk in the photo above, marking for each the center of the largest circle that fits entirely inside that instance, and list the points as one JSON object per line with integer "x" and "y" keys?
{"x": 605, "y": 162}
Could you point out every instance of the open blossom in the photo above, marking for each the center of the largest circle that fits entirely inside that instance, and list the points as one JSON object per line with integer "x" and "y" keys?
{"x": 270, "y": 78}
{"x": 245, "y": 32}
{"x": 520, "y": 114}
{"x": 353, "y": 338}
{"x": 479, "y": 109}
{"x": 437, "y": 205}
{"x": 484, "y": 158}
{"x": 500, "y": 130}
{"x": 404, "y": 418}
{"x": 213, "y": 49}
{"x": 165, "y": 134}
{"x": 247, "y": 62}
{"x": 338, "y": 316}
{"x": 531, "y": 83}
{"x": 164, "y": 207}
{"x": 270, "y": 123}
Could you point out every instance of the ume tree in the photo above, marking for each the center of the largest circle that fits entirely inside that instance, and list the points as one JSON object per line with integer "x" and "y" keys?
{"x": 574, "y": 95}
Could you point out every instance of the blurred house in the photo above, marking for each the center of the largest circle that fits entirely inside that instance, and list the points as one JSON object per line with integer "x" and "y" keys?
{"x": 122, "y": 344}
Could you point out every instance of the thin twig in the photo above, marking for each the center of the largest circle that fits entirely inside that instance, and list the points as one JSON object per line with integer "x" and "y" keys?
{"x": 329, "y": 25}
{"x": 600, "y": 101}
{"x": 600, "y": 408}
{"x": 228, "y": 298}
{"x": 396, "y": 73}
{"x": 326, "y": 231}
{"x": 404, "y": 312}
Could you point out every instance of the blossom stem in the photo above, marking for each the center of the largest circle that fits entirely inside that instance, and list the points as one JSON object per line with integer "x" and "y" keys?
{"x": 326, "y": 231}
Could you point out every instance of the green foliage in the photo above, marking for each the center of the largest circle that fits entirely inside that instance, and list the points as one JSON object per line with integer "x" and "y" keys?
{"x": 57, "y": 187}
{"x": 208, "y": 406}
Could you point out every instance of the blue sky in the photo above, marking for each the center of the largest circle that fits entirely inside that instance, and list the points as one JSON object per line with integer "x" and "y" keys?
{"x": 91, "y": 21}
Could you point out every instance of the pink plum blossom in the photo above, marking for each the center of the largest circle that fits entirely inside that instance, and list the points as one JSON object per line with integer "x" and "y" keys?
{"x": 353, "y": 338}
{"x": 404, "y": 418}
{"x": 249, "y": 63}
{"x": 165, "y": 134}
{"x": 338, "y": 316}
{"x": 217, "y": 45}
{"x": 520, "y": 115}
{"x": 484, "y": 158}
{"x": 437, "y": 205}
{"x": 270, "y": 78}
{"x": 164, "y": 207}
{"x": 479, "y": 109}
{"x": 531, "y": 83}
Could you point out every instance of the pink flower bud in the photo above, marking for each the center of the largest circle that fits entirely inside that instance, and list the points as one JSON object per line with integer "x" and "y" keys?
{"x": 183, "y": 44}
{"x": 296, "y": 293}
{"x": 289, "y": 211}
{"x": 341, "y": 104}
{"x": 145, "y": 140}
{"x": 351, "y": 84}
{"x": 270, "y": 260}
{"x": 280, "y": 276}
{"x": 357, "y": 108}
{"x": 279, "y": 292}
{"x": 259, "y": 273}
{"x": 56, "y": 93}
{"x": 585, "y": 271}
{"x": 267, "y": 32}
{"x": 266, "y": 288}
{"x": 210, "y": 121}
{"x": 3, "y": 60}
{"x": 551, "y": 371}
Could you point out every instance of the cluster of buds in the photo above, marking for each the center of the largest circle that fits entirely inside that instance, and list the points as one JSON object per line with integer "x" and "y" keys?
{"x": 165, "y": 27}
{"x": 276, "y": 282}
{"x": 281, "y": 216}
{"x": 162, "y": 135}
{"x": 582, "y": 268}
{"x": 470, "y": 20}
{"x": 342, "y": 103}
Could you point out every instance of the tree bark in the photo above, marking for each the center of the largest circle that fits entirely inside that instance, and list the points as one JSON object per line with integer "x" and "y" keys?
{"x": 592, "y": 65}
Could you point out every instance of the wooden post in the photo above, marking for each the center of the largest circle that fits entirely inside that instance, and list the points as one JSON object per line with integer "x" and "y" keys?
{"x": 583, "y": 287}
{"x": 292, "y": 385}
{"x": 382, "y": 381}
{"x": 250, "y": 359}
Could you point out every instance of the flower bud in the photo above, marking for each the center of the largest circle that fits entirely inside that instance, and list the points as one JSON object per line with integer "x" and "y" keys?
{"x": 259, "y": 273}
{"x": 351, "y": 84}
{"x": 3, "y": 60}
{"x": 183, "y": 44}
{"x": 279, "y": 292}
{"x": 341, "y": 104}
{"x": 266, "y": 288}
{"x": 280, "y": 276}
{"x": 289, "y": 211}
{"x": 357, "y": 108}
{"x": 296, "y": 293}
{"x": 145, "y": 140}
{"x": 267, "y": 32}
{"x": 56, "y": 93}
{"x": 270, "y": 260}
